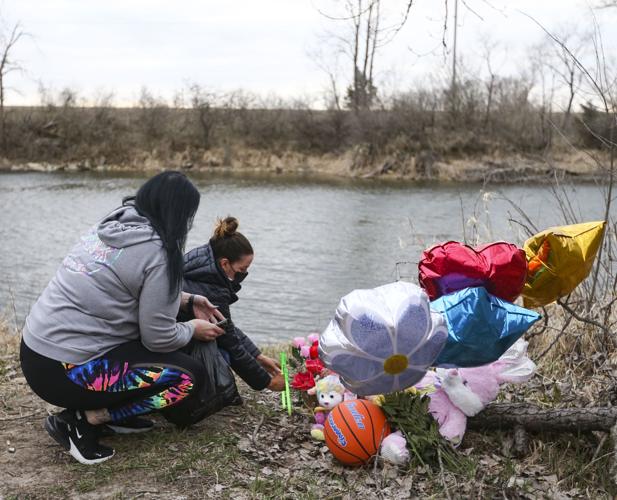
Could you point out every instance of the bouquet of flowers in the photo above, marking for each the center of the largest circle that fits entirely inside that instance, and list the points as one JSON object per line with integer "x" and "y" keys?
{"x": 306, "y": 364}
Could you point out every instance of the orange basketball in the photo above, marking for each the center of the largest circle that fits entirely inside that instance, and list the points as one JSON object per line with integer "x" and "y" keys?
{"x": 354, "y": 431}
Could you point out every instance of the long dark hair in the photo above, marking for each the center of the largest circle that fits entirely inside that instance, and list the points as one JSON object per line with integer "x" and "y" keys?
{"x": 169, "y": 201}
{"x": 227, "y": 242}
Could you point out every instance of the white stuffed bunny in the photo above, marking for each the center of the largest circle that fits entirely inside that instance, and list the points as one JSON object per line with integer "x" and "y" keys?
{"x": 464, "y": 392}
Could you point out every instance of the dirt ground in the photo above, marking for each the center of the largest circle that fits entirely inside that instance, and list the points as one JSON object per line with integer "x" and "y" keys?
{"x": 257, "y": 451}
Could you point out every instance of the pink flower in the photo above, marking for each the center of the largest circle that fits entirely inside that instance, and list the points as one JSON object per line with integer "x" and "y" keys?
{"x": 298, "y": 342}
{"x": 313, "y": 337}
{"x": 305, "y": 351}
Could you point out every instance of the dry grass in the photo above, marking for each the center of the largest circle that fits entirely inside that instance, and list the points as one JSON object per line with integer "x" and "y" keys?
{"x": 9, "y": 344}
{"x": 576, "y": 355}
{"x": 257, "y": 451}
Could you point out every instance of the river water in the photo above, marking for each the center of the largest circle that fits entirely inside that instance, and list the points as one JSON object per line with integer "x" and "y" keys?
{"x": 315, "y": 240}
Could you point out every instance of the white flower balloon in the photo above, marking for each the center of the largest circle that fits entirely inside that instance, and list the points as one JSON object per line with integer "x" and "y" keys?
{"x": 382, "y": 340}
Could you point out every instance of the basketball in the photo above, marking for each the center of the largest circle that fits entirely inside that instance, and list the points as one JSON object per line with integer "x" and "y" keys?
{"x": 354, "y": 431}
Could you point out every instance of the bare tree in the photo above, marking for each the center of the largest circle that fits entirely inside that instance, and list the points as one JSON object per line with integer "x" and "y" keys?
{"x": 8, "y": 40}
{"x": 153, "y": 113}
{"x": 562, "y": 62}
{"x": 363, "y": 19}
{"x": 329, "y": 64}
{"x": 547, "y": 85}
{"x": 489, "y": 47}
{"x": 202, "y": 102}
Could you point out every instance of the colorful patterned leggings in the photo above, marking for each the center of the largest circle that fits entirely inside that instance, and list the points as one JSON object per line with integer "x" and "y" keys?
{"x": 105, "y": 375}
{"x": 128, "y": 381}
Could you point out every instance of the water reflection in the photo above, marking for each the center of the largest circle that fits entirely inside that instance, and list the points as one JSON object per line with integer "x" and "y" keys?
{"x": 315, "y": 239}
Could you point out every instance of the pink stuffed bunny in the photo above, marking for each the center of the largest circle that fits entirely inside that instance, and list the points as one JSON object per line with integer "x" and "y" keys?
{"x": 464, "y": 392}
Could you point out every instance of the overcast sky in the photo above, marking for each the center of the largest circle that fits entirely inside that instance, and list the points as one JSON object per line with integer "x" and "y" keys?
{"x": 263, "y": 46}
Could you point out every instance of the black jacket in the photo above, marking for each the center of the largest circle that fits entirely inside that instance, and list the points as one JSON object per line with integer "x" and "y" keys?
{"x": 203, "y": 276}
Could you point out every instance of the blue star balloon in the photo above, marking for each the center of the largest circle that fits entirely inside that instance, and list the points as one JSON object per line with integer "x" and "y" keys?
{"x": 481, "y": 327}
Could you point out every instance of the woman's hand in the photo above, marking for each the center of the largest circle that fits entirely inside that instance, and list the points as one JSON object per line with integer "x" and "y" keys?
{"x": 268, "y": 364}
{"x": 205, "y": 330}
{"x": 277, "y": 383}
{"x": 204, "y": 309}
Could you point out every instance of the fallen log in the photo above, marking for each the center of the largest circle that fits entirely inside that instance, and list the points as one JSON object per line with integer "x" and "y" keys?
{"x": 535, "y": 418}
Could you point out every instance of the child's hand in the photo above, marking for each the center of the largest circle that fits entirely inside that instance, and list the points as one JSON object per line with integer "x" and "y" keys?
{"x": 277, "y": 383}
{"x": 268, "y": 364}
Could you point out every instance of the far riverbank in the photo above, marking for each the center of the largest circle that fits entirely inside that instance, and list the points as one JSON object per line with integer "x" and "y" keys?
{"x": 499, "y": 168}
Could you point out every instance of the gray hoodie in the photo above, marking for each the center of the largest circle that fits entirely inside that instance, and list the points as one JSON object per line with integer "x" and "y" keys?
{"x": 112, "y": 288}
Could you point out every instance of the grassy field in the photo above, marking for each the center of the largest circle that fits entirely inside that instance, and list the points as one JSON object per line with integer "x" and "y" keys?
{"x": 257, "y": 451}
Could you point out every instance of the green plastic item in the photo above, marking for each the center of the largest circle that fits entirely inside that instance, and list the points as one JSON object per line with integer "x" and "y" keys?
{"x": 286, "y": 394}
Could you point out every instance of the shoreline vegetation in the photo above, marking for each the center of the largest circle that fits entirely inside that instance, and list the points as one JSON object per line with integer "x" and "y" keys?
{"x": 407, "y": 141}
{"x": 510, "y": 169}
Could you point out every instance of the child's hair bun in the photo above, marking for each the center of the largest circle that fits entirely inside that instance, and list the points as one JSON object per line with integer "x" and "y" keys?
{"x": 225, "y": 227}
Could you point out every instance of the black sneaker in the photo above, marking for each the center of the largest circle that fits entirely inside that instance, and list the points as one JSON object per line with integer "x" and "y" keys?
{"x": 131, "y": 425}
{"x": 72, "y": 431}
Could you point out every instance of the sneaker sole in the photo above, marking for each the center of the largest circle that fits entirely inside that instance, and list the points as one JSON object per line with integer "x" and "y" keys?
{"x": 118, "y": 429}
{"x": 52, "y": 429}
{"x": 83, "y": 460}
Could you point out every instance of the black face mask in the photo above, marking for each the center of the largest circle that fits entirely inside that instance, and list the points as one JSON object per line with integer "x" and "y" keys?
{"x": 239, "y": 277}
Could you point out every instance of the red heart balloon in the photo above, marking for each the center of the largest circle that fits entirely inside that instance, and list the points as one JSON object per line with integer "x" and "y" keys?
{"x": 499, "y": 267}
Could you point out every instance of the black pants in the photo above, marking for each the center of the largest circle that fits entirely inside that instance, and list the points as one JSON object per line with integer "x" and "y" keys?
{"x": 129, "y": 380}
